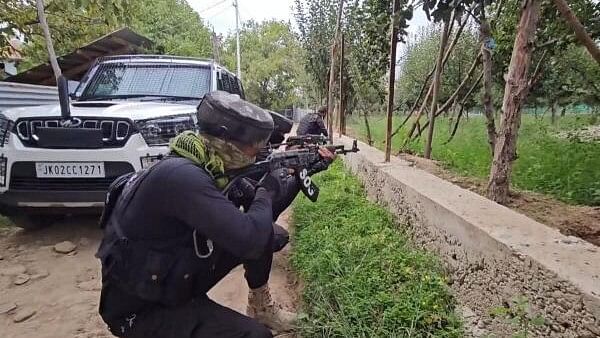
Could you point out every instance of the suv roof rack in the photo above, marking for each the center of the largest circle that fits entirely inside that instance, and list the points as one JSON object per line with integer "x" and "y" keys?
{"x": 163, "y": 57}
{"x": 153, "y": 56}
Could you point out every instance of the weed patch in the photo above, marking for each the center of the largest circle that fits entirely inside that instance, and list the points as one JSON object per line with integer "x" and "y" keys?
{"x": 362, "y": 277}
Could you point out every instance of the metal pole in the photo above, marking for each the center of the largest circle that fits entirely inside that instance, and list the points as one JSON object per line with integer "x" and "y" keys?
{"x": 237, "y": 37}
{"x": 48, "y": 38}
{"x": 392, "y": 79}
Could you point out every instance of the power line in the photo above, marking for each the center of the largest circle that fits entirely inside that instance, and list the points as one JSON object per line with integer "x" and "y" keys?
{"x": 212, "y": 6}
{"x": 217, "y": 13}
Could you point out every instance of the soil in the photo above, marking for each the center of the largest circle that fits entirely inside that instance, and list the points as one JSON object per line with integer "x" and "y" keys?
{"x": 571, "y": 220}
{"x": 59, "y": 292}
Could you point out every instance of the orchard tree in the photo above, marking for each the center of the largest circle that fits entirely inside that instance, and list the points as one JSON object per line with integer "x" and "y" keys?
{"x": 271, "y": 64}
{"x": 173, "y": 25}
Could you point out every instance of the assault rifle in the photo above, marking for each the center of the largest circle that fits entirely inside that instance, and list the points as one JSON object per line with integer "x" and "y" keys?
{"x": 305, "y": 140}
{"x": 304, "y": 161}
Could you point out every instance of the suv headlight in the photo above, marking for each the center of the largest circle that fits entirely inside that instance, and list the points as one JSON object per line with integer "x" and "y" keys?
{"x": 6, "y": 127}
{"x": 158, "y": 132}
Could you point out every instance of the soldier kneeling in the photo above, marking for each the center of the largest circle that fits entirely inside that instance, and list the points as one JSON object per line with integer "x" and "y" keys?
{"x": 170, "y": 234}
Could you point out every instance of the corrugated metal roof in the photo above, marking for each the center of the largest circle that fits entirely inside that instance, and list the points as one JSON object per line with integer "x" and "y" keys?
{"x": 76, "y": 64}
{"x": 19, "y": 95}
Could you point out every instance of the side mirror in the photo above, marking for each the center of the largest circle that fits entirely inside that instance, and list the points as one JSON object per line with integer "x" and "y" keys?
{"x": 63, "y": 97}
{"x": 73, "y": 85}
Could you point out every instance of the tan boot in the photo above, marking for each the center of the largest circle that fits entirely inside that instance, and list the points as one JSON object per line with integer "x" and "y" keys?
{"x": 262, "y": 308}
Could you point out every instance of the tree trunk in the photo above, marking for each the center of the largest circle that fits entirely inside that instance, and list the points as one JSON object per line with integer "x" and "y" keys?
{"x": 563, "y": 111}
{"x": 553, "y": 112}
{"x": 578, "y": 28}
{"x": 515, "y": 92}
{"x": 436, "y": 89}
{"x": 488, "y": 108}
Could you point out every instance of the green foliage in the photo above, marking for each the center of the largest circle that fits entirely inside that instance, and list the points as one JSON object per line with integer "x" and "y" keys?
{"x": 316, "y": 21}
{"x": 69, "y": 21}
{"x": 564, "y": 168}
{"x": 271, "y": 63}
{"x": 419, "y": 59}
{"x": 365, "y": 25}
{"x": 518, "y": 314}
{"x": 553, "y": 36}
{"x": 361, "y": 276}
{"x": 572, "y": 77}
{"x": 171, "y": 24}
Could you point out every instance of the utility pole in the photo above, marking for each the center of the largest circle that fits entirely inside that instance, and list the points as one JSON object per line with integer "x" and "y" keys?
{"x": 216, "y": 45}
{"x": 237, "y": 37}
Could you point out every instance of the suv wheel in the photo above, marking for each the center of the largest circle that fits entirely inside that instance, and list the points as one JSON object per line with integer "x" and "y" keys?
{"x": 34, "y": 222}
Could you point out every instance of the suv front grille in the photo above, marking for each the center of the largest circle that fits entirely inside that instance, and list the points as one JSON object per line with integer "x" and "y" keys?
{"x": 23, "y": 177}
{"x": 115, "y": 131}
{"x": 61, "y": 184}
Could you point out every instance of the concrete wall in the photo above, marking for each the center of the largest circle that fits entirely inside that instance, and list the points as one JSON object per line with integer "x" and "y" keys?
{"x": 492, "y": 253}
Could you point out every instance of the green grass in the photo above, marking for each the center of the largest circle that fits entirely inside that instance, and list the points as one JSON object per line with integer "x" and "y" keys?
{"x": 361, "y": 276}
{"x": 565, "y": 169}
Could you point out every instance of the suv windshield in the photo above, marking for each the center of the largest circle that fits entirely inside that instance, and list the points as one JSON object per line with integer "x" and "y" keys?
{"x": 169, "y": 82}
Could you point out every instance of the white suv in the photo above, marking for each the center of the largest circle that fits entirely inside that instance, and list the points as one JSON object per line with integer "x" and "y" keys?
{"x": 123, "y": 114}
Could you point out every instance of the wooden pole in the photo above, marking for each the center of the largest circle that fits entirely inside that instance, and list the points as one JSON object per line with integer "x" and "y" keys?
{"x": 488, "y": 106}
{"x": 392, "y": 78}
{"x": 341, "y": 110}
{"x": 578, "y": 28}
{"x": 330, "y": 105}
{"x": 48, "y": 38}
{"x": 436, "y": 89}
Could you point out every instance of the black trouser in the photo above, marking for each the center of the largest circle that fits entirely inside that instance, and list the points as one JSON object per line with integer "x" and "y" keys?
{"x": 200, "y": 317}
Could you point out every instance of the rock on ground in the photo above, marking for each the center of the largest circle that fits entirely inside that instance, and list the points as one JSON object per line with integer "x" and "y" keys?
{"x": 23, "y": 315}
{"x": 7, "y": 307}
{"x": 65, "y": 290}
{"x": 65, "y": 247}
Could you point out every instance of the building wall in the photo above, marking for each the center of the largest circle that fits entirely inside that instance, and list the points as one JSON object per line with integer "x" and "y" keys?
{"x": 14, "y": 95}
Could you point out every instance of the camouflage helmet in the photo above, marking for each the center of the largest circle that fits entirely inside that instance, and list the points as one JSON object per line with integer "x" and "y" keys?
{"x": 229, "y": 117}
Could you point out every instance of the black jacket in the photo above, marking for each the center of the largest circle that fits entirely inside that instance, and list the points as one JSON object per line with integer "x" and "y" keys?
{"x": 158, "y": 262}
{"x": 311, "y": 124}
{"x": 178, "y": 197}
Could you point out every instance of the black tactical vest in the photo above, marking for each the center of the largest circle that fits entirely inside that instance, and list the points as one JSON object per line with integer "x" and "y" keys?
{"x": 165, "y": 271}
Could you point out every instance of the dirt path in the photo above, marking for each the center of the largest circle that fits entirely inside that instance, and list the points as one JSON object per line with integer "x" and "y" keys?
{"x": 62, "y": 290}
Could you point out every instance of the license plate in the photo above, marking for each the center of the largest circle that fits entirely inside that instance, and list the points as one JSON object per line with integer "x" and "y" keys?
{"x": 69, "y": 169}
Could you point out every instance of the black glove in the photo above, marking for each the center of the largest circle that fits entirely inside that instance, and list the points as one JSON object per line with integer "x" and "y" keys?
{"x": 322, "y": 165}
{"x": 281, "y": 237}
{"x": 282, "y": 188}
{"x": 242, "y": 193}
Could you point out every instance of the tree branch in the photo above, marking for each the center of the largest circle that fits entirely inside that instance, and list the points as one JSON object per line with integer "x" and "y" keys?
{"x": 537, "y": 72}
{"x": 462, "y": 106}
{"x": 578, "y": 28}
{"x": 448, "y": 102}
